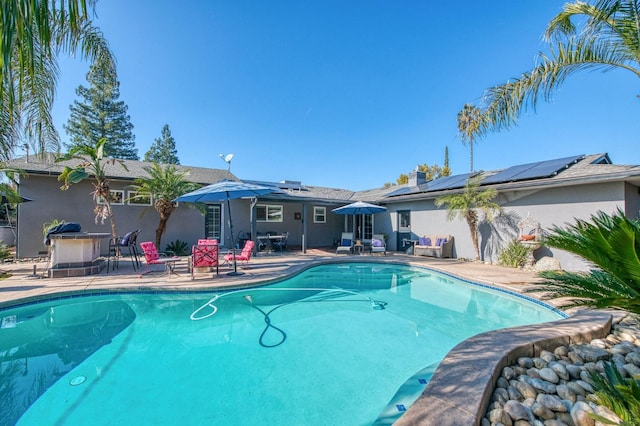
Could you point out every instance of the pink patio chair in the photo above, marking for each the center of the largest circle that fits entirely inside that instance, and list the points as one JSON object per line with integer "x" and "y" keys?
{"x": 244, "y": 256}
{"x": 204, "y": 255}
{"x": 152, "y": 257}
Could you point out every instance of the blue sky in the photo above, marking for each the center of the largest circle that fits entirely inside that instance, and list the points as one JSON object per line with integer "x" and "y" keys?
{"x": 346, "y": 94}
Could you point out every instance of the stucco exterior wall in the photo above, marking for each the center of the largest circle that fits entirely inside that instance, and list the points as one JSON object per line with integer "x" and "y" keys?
{"x": 632, "y": 197}
{"x": 561, "y": 206}
{"x": 551, "y": 206}
{"x": 76, "y": 205}
{"x": 185, "y": 224}
{"x": 317, "y": 234}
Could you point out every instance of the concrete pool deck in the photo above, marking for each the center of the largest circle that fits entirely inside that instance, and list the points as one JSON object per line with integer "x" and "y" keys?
{"x": 23, "y": 284}
{"x": 460, "y": 389}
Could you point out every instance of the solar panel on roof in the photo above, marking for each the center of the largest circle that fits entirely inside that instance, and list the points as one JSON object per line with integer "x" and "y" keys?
{"x": 446, "y": 182}
{"x": 401, "y": 191}
{"x": 540, "y": 169}
{"x": 292, "y": 185}
{"x": 449, "y": 182}
{"x": 508, "y": 174}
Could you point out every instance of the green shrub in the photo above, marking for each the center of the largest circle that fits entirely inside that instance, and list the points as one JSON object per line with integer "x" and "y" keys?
{"x": 5, "y": 251}
{"x": 621, "y": 395}
{"x": 180, "y": 248}
{"x": 48, "y": 225}
{"x": 514, "y": 255}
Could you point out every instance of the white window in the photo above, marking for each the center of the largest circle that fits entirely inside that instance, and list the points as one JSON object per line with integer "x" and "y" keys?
{"x": 268, "y": 213}
{"x": 319, "y": 214}
{"x": 139, "y": 198}
{"x": 117, "y": 197}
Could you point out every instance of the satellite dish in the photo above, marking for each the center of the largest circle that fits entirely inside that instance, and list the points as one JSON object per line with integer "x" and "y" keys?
{"x": 227, "y": 159}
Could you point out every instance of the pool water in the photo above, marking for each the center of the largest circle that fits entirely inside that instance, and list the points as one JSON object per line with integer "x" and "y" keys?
{"x": 358, "y": 353}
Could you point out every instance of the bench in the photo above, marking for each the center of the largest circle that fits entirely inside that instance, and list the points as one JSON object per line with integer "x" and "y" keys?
{"x": 434, "y": 246}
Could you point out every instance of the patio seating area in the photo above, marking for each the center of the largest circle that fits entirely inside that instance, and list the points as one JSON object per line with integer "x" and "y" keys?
{"x": 272, "y": 242}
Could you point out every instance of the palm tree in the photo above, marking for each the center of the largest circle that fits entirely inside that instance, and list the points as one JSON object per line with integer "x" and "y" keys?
{"x": 609, "y": 39}
{"x": 468, "y": 126}
{"x": 31, "y": 36}
{"x": 92, "y": 163}
{"x": 466, "y": 205}
{"x": 612, "y": 244}
{"x": 164, "y": 185}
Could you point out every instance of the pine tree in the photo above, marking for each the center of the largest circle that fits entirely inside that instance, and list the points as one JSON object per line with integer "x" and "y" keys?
{"x": 101, "y": 115}
{"x": 163, "y": 150}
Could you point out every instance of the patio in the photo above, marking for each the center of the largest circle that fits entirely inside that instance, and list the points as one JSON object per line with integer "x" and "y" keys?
{"x": 23, "y": 285}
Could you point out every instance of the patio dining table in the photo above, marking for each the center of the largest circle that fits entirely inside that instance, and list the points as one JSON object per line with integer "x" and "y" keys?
{"x": 268, "y": 240}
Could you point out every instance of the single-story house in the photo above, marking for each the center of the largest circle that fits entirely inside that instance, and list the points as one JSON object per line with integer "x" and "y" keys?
{"x": 295, "y": 209}
{"x": 553, "y": 192}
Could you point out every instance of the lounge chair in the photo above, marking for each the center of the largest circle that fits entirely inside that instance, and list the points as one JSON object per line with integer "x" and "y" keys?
{"x": 244, "y": 256}
{"x": 204, "y": 255}
{"x": 378, "y": 244}
{"x": 346, "y": 243}
{"x": 153, "y": 257}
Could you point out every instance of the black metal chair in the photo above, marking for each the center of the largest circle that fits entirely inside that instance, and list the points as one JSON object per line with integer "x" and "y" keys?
{"x": 116, "y": 245}
{"x": 281, "y": 243}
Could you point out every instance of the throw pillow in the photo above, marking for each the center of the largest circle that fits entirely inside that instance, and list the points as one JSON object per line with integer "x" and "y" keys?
{"x": 424, "y": 241}
{"x": 346, "y": 242}
{"x": 125, "y": 239}
{"x": 376, "y": 243}
{"x": 440, "y": 241}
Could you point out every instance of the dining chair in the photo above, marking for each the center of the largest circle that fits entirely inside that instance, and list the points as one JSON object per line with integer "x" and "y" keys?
{"x": 280, "y": 244}
{"x": 204, "y": 255}
{"x": 129, "y": 241}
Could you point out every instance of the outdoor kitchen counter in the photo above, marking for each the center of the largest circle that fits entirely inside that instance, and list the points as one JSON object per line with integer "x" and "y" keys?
{"x": 75, "y": 253}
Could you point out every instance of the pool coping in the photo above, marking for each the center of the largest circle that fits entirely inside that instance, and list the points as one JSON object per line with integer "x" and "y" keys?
{"x": 460, "y": 390}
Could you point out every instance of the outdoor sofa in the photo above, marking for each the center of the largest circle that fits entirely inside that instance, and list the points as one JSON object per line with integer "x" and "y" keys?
{"x": 434, "y": 246}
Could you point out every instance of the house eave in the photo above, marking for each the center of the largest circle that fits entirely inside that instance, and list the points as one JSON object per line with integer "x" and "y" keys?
{"x": 538, "y": 184}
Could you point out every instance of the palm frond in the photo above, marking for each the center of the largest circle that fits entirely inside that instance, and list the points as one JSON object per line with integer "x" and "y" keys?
{"x": 615, "y": 21}
{"x": 597, "y": 289}
{"x": 608, "y": 38}
{"x": 33, "y": 33}
{"x": 620, "y": 394}
{"x": 610, "y": 242}
{"x": 504, "y": 103}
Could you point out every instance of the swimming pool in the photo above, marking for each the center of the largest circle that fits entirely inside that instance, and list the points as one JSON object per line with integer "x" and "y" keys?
{"x": 343, "y": 344}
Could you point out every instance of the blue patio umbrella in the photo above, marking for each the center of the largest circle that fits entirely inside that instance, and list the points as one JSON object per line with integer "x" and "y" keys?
{"x": 359, "y": 207}
{"x": 226, "y": 190}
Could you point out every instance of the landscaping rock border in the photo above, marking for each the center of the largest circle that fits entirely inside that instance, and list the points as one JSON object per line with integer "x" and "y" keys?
{"x": 552, "y": 389}
{"x": 461, "y": 389}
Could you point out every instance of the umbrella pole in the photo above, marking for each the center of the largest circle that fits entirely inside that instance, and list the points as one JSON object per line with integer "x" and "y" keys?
{"x": 233, "y": 250}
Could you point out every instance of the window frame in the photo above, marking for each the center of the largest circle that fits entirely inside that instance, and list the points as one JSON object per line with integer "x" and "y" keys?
{"x": 267, "y": 208}
{"x": 114, "y": 201}
{"x": 316, "y": 215}
{"x": 133, "y": 194}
